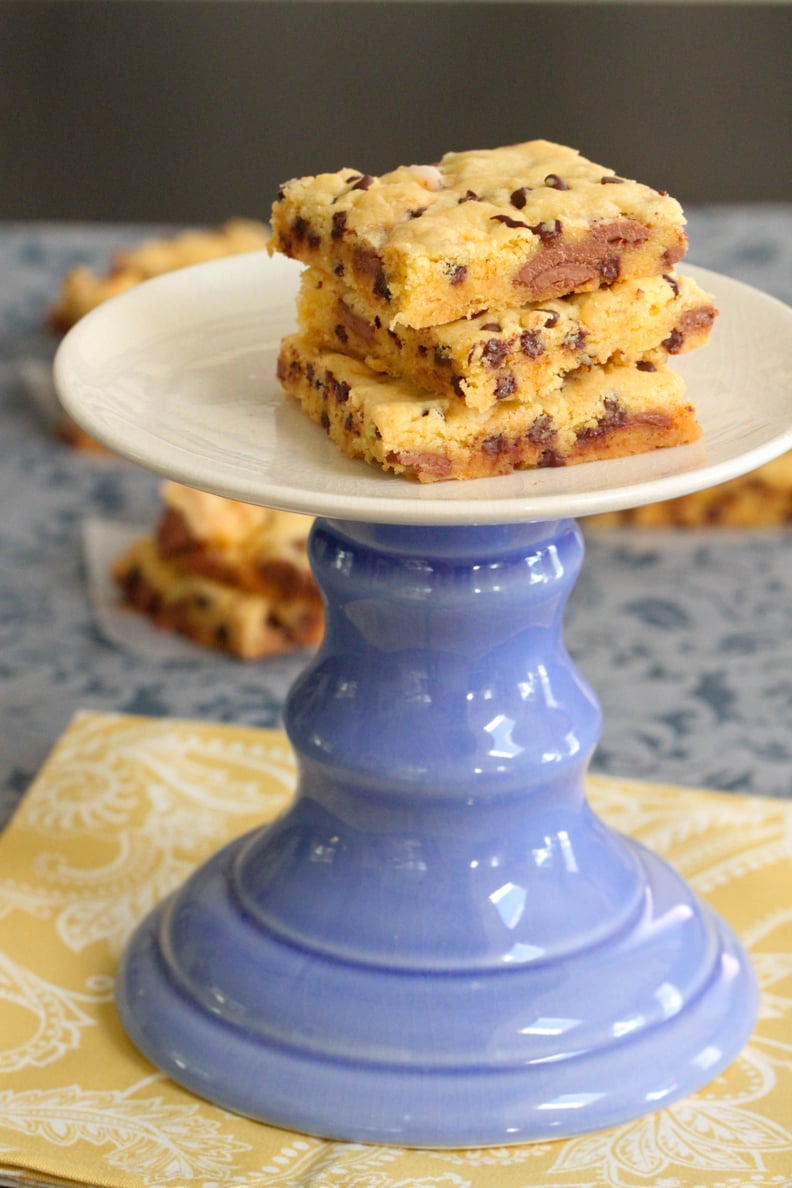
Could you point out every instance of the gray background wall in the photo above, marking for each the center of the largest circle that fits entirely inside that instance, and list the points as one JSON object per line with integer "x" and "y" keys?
{"x": 193, "y": 110}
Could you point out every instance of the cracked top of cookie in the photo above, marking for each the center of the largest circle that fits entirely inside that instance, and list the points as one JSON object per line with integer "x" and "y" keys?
{"x": 427, "y": 244}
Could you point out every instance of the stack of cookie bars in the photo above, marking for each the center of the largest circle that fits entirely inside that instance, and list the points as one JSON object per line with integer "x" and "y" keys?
{"x": 501, "y": 310}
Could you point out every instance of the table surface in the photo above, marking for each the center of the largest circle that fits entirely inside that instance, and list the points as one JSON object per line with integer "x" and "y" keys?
{"x": 686, "y": 637}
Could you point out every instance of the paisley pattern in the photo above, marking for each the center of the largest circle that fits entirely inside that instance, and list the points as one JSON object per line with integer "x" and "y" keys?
{"x": 127, "y": 805}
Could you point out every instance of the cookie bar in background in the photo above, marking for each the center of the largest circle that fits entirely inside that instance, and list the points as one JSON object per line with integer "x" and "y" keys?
{"x": 761, "y": 499}
{"x": 598, "y": 412}
{"x": 82, "y": 289}
{"x": 228, "y": 575}
{"x": 427, "y": 244}
{"x": 523, "y": 353}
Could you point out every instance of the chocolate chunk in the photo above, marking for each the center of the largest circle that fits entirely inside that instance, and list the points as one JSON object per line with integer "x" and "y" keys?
{"x": 380, "y": 287}
{"x": 506, "y": 386}
{"x": 555, "y": 182}
{"x": 494, "y": 351}
{"x": 673, "y": 343}
{"x": 531, "y": 344}
{"x": 547, "y": 231}
{"x": 456, "y": 273}
{"x": 495, "y": 444}
{"x": 434, "y": 466}
{"x": 354, "y": 322}
{"x": 508, "y": 221}
{"x": 565, "y": 267}
{"x": 543, "y": 430}
{"x": 339, "y": 224}
{"x": 575, "y": 340}
{"x": 610, "y": 268}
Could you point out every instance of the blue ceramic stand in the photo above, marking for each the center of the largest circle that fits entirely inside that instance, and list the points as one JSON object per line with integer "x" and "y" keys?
{"x": 439, "y": 944}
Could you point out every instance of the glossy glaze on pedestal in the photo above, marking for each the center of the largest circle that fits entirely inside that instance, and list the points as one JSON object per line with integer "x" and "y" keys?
{"x": 439, "y": 944}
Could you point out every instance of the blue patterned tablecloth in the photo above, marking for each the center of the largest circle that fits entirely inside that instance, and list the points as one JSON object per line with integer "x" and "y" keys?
{"x": 687, "y": 639}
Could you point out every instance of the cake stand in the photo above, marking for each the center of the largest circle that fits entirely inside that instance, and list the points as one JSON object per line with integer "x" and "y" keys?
{"x": 438, "y": 943}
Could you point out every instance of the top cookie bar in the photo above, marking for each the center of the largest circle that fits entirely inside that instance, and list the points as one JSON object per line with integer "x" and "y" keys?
{"x": 427, "y": 244}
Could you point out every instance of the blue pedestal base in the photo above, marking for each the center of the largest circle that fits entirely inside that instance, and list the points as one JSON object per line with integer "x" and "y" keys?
{"x": 439, "y": 944}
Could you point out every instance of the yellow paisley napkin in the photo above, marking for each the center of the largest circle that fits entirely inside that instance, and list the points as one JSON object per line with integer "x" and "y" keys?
{"x": 126, "y": 806}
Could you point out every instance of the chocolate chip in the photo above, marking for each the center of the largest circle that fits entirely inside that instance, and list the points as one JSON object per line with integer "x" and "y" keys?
{"x": 517, "y": 197}
{"x": 300, "y": 228}
{"x": 222, "y": 633}
{"x": 674, "y": 342}
{"x": 341, "y": 392}
{"x": 505, "y": 387}
{"x": 494, "y": 351}
{"x": 611, "y": 181}
{"x": 547, "y": 231}
{"x": 456, "y": 273}
{"x": 552, "y": 318}
{"x": 609, "y": 268}
{"x": 339, "y": 224}
{"x": 314, "y": 240}
{"x": 550, "y": 458}
{"x": 645, "y": 365}
{"x": 469, "y": 196}
{"x": 575, "y": 340}
{"x": 493, "y": 327}
{"x": 341, "y": 334}
{"x": 339, "y": 270}
{"x": 531, "y": 344}
{"x": 496, "y": 444}
{"x": 416, "y": 212}
{"x": 309, "y": 372}
{"x": 380, "y": 286}
{"x": 363, "y": 182}
{"x": 393, "y": 335}
{"x": 543, "y": 430}
{"x": 442, "y": 356}
{"x": 456, "y": 384}
{"x": 324, "y": 421}
{"x": 555, "y": 182}
{"x": 672, "y": 281}
{"x": 508, "y": 221}
{"x": 349, "y": 423}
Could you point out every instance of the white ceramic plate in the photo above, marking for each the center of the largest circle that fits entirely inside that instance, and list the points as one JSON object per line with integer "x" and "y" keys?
{"x": 178, "y": 374}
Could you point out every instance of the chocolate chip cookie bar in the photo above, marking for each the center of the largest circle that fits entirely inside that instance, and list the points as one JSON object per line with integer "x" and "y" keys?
{"x": 226, "y": 574}
{"x": 82, "y": 289}
{"x": 427, "y": 244}
{"x": 597, "y": 412}
{"x": 523, "y": 353}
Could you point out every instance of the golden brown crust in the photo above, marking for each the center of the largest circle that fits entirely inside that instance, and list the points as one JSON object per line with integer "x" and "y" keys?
{"x": 598, "y": 413}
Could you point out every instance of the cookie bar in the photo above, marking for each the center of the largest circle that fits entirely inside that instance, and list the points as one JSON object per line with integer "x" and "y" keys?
{"x": 761, "y": 499}
{"x": 83, "y": 289}
{"x": 427, "y": 244}
{"x": 226, "y": 574}
{"x": 520, "y": 353}
{"x": 600, "y": 412}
